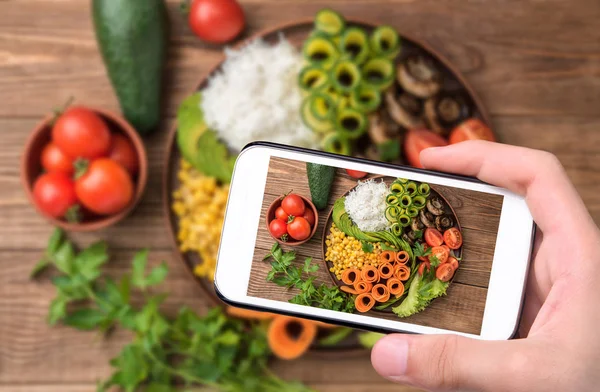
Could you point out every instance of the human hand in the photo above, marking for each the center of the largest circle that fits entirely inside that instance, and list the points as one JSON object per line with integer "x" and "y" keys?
{"x": 559, "y": 348}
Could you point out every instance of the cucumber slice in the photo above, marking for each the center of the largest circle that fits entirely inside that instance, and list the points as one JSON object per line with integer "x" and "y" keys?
{"x": 322, "y": 107}
{"x": 412, "y": 211}
{"x": 354, "y": 44}
{"x": 419, "y": 202}
{"x": 391, "y": 213}
{"x": 350, "y": 123}
{"x": 424, "y": 189}
{"x": 411, "y": 188}
{"x": 396, "y": 229}
{"x": 329, "y": 22}
{"x": 391, "y": 200}
{"x": 310, "y": 120}
{"x": 365, "y": 99}
{"x": 402, "y": 180}
{"x": 378, "y": 73}
{"x": 405, "y": 201}
{"x": 345, "y": 76}
{"x": 403, "y": 220}
{"x": 312, "y": 78}
{"x": 321, "y": 51}
{"x": 385, "y": 42}
{"x": 335, "y": 143}
{"x": 397, "y": 188}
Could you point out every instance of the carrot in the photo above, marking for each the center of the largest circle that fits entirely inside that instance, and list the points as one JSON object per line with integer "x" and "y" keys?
{"x": 395, "y": 286}
{"x": 350, "y": 276}
{"x": 364, "y": 302}
{"x": 286, "y": 345}
{"x": 380, "y": 293}
{"x": 348, "y": 290}
{"x": 248, "y": 314}
{"x": 362, "y": 287}
{"x": 402, "y": 272}
{"x": 369, "y": 274}
{"x": 387, "y": 256}
{"x": 386, "y": 270}
{"x": 402, "y": 257}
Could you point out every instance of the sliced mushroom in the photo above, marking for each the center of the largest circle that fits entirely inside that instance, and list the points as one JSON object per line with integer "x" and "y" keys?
{"x": 426, "y": 218}
{"x": 377, "y": 129}
{"x": 406, "y": 238}
{"x": 443, "y": 222}
{"x": 419, "y": 76}
{"x": 412, "y": 235}
{"x": 404, "y": 108}
{"x": 416, "y": 224}
{"x": 443, "y": 112}
{"x": 435, "y": 205}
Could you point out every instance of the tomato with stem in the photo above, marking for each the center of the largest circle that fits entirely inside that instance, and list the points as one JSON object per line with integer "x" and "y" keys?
{"x": 299, "y": 228}
{"x": 216, "y": 21}
{"x": 293, "y": 205}
{"x": 81, "y": 133}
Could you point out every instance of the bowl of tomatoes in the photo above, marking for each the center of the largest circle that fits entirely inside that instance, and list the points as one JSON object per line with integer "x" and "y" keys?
{"x": 292, "y": 219}
{"x": 84, "y": 169}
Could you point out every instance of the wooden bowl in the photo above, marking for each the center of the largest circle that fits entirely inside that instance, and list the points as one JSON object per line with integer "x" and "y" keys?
{"x": 31, "y": 169}
{"x": 270, "y": 215}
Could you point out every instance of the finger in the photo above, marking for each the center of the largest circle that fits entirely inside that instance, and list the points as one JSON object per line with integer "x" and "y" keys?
{"x": 446, "y": 362}
{"x": 537, "y": 175}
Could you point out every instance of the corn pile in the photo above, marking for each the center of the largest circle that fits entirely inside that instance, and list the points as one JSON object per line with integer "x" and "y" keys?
{"x": 200, "y": 205}
{"x": 346, "y": 252}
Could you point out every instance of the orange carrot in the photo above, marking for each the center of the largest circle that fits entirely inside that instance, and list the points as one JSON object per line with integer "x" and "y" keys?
{"x": 402, "y": 272}
{"x": 380, "y": 293}
{"x": 386, "y": 270}
{"x": 248, "y": 314}
{"x": 285, "y": 345}
{"x": 402, "y": 257}
{"x": 369, "y": 274}
{"x": 364, "y": 302}
{"x": 362, "y": 287}
{"x": 348, "y": 290}
{"x": 395, "y": 287}
{"x": 387, "y": 256}
{"x": 350, "y": 276}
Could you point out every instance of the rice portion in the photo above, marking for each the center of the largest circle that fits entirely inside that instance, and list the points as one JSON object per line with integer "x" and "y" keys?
{"x": 256, "y": 96}
{"x": 366, "y": 205}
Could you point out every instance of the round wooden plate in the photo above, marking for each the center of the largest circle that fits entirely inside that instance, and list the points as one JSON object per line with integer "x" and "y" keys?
{"x": 296, "y": 32}
{"x": 388, "y": 180}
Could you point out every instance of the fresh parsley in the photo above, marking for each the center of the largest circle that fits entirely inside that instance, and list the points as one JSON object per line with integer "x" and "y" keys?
{"x": 419, "y": 250}
{"x": 367, "y": 247}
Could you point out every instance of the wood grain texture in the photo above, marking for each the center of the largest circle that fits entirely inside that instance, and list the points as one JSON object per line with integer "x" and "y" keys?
{"x": 536, "y": 64}
{"x": 477, "y": 212}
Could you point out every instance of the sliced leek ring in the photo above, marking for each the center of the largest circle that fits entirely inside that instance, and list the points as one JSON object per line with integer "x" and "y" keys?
{"x": 335, "y": 143}
{"x": 385, "y": 42}
{"x": 329, "y": 22}
{"x": 345, "y": 76}
{"x": 354, "y": 45}
{"x": 378, "y": 73}
{"x": 350, "y": 123}
{"x": 365, "y": 99}
{"x": 313, "y": 78}
{"x": 321, "y": 51}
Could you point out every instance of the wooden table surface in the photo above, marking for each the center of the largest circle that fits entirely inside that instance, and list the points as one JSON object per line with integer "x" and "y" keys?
{"x": 536, "y": 65}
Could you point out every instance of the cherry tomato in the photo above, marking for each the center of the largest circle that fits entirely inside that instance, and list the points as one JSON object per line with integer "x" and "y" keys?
{"x": 440, "y": 253}
{"x": 54, "y": 194}
{"x": 293, "y": 204}
{"x": 216, "y": 21}
{"x": 446, "y": 247}
{"x": 425, "y": 265}
{"x": 471, "y": 129}
{"x": 309, "y": 215}
{"x": 417, "y": 140}
{"x": 122, "y": 151}
{"x": 299, "y": 228}
{"x": 81, "y": 133}
{"x": 424, "y": 258}
{"x": 105, "y": 188}
{"x": 453, "y": 262}
{"x": 453, "y": 238}
{"x": 281, "y": 214}
{"x": 444, "y": 272}
{"x": 278, "y": 228}
{"x": 54, "y": 160}
{"x": 433, "y": 237}
{"x": 356, "y": 173}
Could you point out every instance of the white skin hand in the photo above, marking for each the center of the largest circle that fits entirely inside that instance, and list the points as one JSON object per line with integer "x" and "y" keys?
{"x": 559, "y": 348}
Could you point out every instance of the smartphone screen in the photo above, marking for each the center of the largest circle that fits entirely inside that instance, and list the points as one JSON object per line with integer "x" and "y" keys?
{"x": 400, "y": 247}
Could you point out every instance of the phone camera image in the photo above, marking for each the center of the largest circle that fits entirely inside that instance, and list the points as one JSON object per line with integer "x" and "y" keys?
{"x": 386, "y": 247}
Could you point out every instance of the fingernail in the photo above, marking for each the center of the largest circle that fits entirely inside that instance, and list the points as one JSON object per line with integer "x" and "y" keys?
{"x": 390, "y": 356}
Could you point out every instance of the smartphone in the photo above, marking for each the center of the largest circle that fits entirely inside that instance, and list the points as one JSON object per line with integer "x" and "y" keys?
{"x": 372, "y": 245}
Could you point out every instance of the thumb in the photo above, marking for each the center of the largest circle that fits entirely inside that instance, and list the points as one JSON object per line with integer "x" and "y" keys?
{"x": 448, "y": 362}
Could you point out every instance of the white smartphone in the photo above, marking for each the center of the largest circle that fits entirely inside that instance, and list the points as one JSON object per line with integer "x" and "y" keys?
{"x": 372, "y": 245}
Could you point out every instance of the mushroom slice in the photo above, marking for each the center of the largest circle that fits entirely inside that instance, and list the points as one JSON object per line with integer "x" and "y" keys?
{"x": 404, "y": 109}
{"x": 416, "y": 224}
{"x": 443, "y": 222}
{"x": 377, "y": 129}
{"x": 419, "y": 76}
{"x": 435, "y": 205}
{"x": 426, "y": 218}
{"x": 406, "y": 238}
{"x": 443, "y": 112}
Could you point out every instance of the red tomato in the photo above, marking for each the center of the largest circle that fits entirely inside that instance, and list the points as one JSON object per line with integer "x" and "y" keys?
{"x": 424, "y": 258}
{"x": 278, "y": 228}
{"x": 433, "y": 237}
{"x": 105, "y": 188}
{"x": 281, "y": 214}
{"x": 453, "y": 238}
{"x": 123, "y": 152}
{"x": 453, "y": 262}
{"x": 293, "y": 205}
{"x": 471, "y": 129}
{"x": 216, "y": 21}
{"x": 54, "y": 194}
{"x": 81, "y": 133}
{"x": 417, "y": 140}
{"x": 425, "y": 265}
{"x": 356, "y": 173}
{"x": 444, "y": 272}
{"x": 54, "y": 160}
{"x": 440, "y": 253}
{"x": 299, "y": 228}
{"x": 309, "y": 215}
{"x": 446, "y": 247}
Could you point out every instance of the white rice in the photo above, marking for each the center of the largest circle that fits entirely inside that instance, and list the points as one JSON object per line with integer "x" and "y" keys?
{"x": 256, "y": 96}
{"x": 366, "y": 205}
